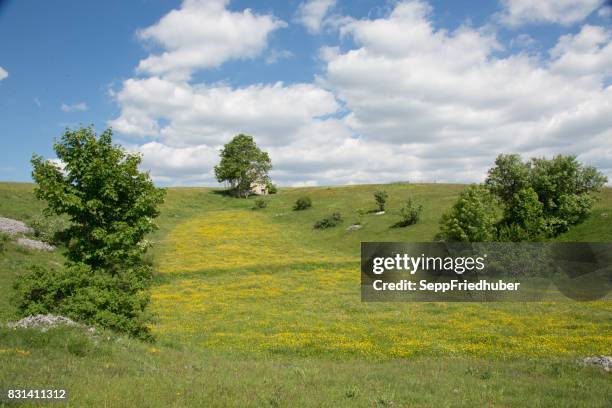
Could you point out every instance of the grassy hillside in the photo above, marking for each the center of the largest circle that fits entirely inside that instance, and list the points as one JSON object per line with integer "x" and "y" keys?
{"x": 258, "y": 308}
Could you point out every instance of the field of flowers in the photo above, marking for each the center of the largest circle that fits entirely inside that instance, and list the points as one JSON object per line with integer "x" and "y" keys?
{"x": 258, "y": 309}
{"x": 252, "y": 282}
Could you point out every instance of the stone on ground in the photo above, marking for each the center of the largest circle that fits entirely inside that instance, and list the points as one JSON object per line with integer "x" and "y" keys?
{"x": 11, "y": 226}
{"x": 32, "y": 243}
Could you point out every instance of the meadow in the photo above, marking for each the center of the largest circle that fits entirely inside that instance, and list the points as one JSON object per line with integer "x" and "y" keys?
{"x": 257, "y": 308}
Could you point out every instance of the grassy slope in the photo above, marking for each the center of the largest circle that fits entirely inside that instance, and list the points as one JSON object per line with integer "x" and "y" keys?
{"x": 257, "y": 308}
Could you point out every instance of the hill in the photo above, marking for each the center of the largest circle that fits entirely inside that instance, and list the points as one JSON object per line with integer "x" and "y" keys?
{"x": 257, "y": 308}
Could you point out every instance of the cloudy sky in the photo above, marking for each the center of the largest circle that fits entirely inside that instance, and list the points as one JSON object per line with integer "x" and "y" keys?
{"x": 336, "y": 91}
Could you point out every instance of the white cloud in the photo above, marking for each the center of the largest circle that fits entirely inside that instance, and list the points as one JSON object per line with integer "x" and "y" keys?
{"x": 519, "y": 12}
{"x": 3, "y": 74}
{"x": 445, "y": 95}
{"x": 204, "y": 34}
{"x": 75, "y": 107}
{"x": 588, "y": 53}
{"x": 407, "y": 102}
{"x": 275, "y": 56}
{"x": 311, "y": 13}
{"x": 212, "y": 114}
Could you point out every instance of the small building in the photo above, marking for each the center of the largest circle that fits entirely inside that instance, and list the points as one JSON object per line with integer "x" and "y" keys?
{"x": 259, "y": 188}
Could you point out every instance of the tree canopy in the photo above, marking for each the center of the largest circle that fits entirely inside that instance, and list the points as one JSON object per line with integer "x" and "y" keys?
{"x": 524, "y": 200}
{"x": 242, "y": 164}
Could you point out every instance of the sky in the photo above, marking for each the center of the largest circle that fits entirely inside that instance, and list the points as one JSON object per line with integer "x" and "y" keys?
{"x": 338, "y": 92}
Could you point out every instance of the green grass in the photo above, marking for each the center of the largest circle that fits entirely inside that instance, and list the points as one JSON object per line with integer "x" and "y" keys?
{"x": 113, "y": 371}
{"x": 257, "y": 308}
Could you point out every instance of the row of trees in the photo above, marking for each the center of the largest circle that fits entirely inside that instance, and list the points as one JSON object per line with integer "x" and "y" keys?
{"x": 524, "y": 200}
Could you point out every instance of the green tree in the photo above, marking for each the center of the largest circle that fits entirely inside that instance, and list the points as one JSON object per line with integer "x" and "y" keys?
{"x": 523, "y": 218}
{"x": 562, "y": 185}
{"x": 242, "y": 164}
{"x": 507, "y": 177}
{"x": 111, "y": 206}
{"x": 381, "y": 199}
{"x": 473, "y": 218}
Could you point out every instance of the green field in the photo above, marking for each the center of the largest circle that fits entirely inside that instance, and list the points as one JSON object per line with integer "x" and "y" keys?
{"x": 256, "y": 308}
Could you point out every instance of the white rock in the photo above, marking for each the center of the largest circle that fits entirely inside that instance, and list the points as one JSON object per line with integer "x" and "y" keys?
{"x": 604, "y": 362}
{"x": 31, "y": 243}
{"x": 42, "y": 322}
{"x": 11, "y": 226}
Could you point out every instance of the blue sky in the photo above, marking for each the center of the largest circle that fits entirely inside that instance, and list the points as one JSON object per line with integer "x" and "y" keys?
{"x": 360, "y": 91}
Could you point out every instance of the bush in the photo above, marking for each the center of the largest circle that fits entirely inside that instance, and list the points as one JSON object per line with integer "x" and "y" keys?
{"x": 409, "y": 213}
{"x": 49, "y": 229}
{"x": 302, "y": 203}
{"x": 260, "y": 204}
{"x": 85, "y": 294}
{"x": 4, "y": 238}
{"x": 381, "y": 199}
{"x": 272, "y": 189}
{"x": 329, "y": 221}
{"x": 472, "y": 218}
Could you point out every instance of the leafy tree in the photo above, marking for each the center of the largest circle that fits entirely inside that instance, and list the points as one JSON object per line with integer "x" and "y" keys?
{"x": 381, "y": 199}
{"x": 562, "y": 185}
{"x": 242, "y": 164}
{"x": 111, "y": 206}
{"x": 523, "y": 219}
{"x": 508, "y": 177}
{"x": 473, "y": 218}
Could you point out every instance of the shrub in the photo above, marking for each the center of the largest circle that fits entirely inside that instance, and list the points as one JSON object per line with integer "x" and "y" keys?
{"x": 49, "y": 229}
{"x": 259, "y": 204}
{"x": 381, "y": 199}
{"x": 302, "y": 203}
{"x": 83, "y": 293}
{"x": 272, "y": 189}
{"x": 409, "y": 213}
{"x": 329, "y": 221}
{"x": 472, "y": 218}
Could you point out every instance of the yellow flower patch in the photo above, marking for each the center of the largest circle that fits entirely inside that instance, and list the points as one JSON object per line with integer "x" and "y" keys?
{"x": 232, "y": 240}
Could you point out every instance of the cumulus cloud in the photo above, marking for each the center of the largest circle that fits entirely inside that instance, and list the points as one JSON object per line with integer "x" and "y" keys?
{"x": 311, "y": 13}
{"x": 3, "y": 74}
{"x": 205, "y": 34}
{"x": 408, "y": 101}
{"x": 212, "y": 114}
{"x": 519, "y": 12}
{"x": 588, "y": 53}
{"x": 447, "y": 95}
{"x": 75, "y": 107}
